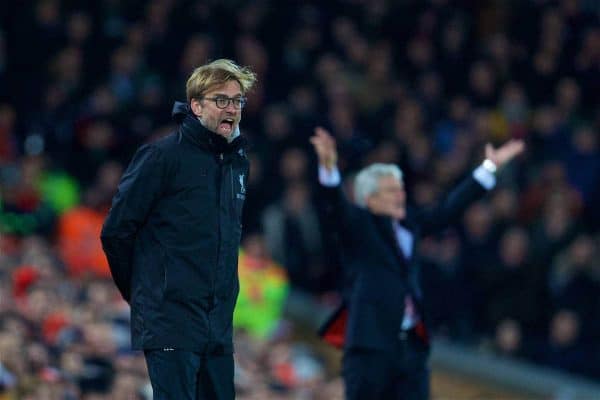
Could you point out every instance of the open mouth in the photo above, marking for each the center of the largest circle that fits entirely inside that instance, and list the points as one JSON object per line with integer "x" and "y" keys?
{"x": 226, "y": 125}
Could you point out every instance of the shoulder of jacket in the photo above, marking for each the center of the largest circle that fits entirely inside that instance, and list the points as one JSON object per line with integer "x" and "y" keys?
{"x": 164, "y": 153}
{"x": 166, "y": 143}
{"x": 169, "y": 148}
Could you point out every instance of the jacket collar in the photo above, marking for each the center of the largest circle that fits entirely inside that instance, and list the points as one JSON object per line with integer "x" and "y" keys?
{"x": 192, "y": 130}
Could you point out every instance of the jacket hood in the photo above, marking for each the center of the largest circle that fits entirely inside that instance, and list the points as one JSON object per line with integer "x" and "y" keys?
{"x": 192, "y": 129}
{"x": 180, "y": 110}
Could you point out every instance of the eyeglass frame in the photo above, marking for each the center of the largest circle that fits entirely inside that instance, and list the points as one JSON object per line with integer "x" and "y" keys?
{"x": 230, "y": 100}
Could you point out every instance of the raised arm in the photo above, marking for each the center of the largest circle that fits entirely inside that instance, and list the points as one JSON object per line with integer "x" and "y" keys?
{"x": 505, "y": 153}
{"x": 341, "y": 214}
{"x": 483, "y": 178}
{"x": 324, "y": 145}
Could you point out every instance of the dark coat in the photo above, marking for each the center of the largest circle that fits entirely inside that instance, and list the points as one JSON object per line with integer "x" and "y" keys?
{"x": 172, "y": 237}
{"x": 380, "y": 275}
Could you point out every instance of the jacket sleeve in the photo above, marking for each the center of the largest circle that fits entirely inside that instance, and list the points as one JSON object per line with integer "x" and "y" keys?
{"x": 452, "y": 207}
{"x": 341, "y": 217}
{"x": 138, "y": 191}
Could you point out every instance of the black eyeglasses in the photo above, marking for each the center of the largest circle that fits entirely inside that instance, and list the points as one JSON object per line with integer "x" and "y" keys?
{"x": 224, "y": 101}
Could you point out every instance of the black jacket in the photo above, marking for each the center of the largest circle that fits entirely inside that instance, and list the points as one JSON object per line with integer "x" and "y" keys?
{"x": 172, "y": 237}
{"x": 381, "y": 276}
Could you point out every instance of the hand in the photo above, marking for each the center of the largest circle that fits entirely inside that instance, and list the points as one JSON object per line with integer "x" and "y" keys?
{"x": 503, "y": 154}
{"x": 324, "y": 145}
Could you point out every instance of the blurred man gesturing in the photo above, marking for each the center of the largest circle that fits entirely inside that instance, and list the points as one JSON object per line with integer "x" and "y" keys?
{"x": 381, "y": 324}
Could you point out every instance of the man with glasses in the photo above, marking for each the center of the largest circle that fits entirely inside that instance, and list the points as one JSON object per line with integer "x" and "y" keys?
{"x": 172, "y": 238}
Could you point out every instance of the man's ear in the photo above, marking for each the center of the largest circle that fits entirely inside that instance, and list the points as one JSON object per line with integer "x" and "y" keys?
{"x": 196, "y": 107}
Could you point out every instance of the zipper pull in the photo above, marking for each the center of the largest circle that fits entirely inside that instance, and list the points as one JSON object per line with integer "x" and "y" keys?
{"x": 221, "y": 156}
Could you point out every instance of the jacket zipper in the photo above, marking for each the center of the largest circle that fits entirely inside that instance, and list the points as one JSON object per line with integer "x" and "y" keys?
{"x": 213, "y": 300}
{"x": 231, "y": 181}
{"x": 219, "y": 181}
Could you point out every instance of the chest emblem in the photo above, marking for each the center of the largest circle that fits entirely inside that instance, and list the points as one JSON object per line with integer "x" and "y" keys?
{"x": 242, "y": 187}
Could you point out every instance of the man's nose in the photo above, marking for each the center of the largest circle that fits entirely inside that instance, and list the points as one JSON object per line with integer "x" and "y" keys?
{"x": 230, "y": 107}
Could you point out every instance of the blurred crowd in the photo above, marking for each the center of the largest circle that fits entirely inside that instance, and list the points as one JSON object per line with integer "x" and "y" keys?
{"x": 424, "y": 84}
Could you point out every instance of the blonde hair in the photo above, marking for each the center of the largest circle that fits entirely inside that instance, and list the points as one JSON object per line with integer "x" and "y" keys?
{"x": 218, "y": 73}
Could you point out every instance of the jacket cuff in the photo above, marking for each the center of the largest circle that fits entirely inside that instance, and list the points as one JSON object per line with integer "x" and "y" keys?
{"x": 485, "y": 177}
{"x": 329, "y": 177}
